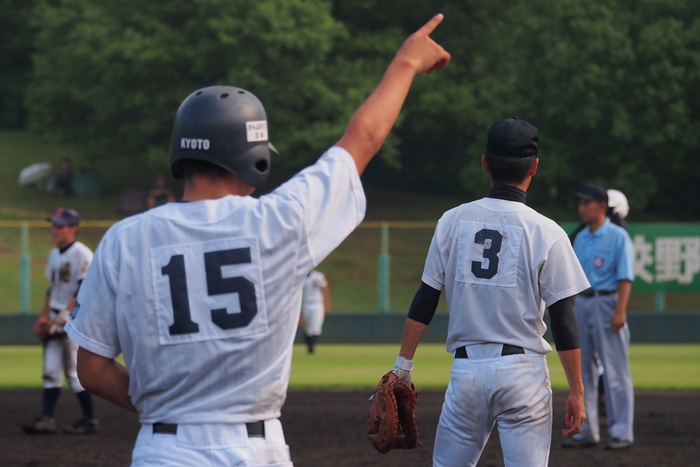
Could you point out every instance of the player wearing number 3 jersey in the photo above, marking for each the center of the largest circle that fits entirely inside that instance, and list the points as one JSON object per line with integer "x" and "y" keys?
{"x": 500, "y": 263}
{"x": 202, "y": 297}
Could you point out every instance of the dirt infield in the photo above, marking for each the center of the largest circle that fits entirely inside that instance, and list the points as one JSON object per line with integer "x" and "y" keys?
{"x": 327, "y": 429}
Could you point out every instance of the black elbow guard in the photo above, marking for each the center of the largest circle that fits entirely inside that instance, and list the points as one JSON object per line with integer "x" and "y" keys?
{"x": 424, "y": 304}
{"x": 564, "y": 326}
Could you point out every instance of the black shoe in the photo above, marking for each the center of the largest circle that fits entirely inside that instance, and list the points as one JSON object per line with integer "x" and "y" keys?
{"x": 616, "y": 444}
{"x": 84, "y": 426}
{"x": 42, "y": 425}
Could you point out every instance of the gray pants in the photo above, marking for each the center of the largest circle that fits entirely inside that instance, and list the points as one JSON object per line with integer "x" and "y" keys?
{"x": 600, "y": 345}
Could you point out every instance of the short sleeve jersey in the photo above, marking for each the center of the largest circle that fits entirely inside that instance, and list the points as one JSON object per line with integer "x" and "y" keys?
{"x": 500, "y": 262}
{"x": 606, "y": 255}
{"x": 313, "y": 288}
{"x": 65, "y": 271}
{"x": 203, "y": 298}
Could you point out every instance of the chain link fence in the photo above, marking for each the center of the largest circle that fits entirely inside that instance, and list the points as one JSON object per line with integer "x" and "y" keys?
{"x": 378, "y": 268}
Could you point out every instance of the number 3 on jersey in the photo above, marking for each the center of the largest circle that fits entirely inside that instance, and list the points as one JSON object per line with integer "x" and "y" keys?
{"x": 209, "y": 293}
{"x": 488, "y": 253}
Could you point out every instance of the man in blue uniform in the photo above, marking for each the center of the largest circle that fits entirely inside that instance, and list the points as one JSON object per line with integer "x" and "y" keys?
{"x": 606, "y": 255}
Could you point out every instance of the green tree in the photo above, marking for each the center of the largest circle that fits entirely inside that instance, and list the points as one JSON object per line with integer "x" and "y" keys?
{"x": 16, "y": 37}
{"x": 110, "y": 75}
{"x": 446, "y": 116}
{"x": 666, "y": 105}
{"x": 611, "y": 85}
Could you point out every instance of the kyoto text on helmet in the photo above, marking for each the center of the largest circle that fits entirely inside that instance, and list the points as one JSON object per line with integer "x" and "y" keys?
{"x": 194, "y": 143}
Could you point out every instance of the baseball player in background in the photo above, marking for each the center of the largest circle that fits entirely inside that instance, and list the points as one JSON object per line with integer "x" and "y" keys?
{"x": 202, "y": 297}
{"x": 500, "y": 263}
{"x": 66, "y": 268}
{"x": 315, "y": 305}
{"x": 606, "y": 255}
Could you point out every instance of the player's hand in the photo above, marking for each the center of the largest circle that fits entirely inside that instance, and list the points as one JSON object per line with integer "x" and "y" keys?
{"x": 59, "y": 321}
{"x": 39, "y": 328}
{"x": 618, "y": 321}
{"x": 575, "y": 414}
{"x": 402, "y": 369}
{"x": 422, "y": 52}
{"x": 404, "y": 376}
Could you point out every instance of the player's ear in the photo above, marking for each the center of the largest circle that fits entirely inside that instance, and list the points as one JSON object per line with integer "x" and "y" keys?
{"x": 484, "y": 164}
{"x": 533, "y": 168}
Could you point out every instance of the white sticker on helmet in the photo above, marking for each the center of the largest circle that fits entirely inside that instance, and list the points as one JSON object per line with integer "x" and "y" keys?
{"x": 256, "y": 130}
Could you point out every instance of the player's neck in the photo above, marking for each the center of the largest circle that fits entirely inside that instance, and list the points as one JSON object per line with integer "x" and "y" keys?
{"x": 201, "y": 188}
{"x": 63, "y": 247}
{"x": 596, "y": 223}
{"x": 524, "y": 185}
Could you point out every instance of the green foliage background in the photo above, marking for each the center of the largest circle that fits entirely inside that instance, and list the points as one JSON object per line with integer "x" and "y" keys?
{"x": 610, "y": 84}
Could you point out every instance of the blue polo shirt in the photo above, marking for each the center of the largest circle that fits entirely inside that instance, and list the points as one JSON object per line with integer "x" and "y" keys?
{"x": 606, "y": 255}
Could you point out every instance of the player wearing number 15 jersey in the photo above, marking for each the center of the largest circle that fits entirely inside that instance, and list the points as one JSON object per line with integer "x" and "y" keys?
{"x": 202, "y": 297}
{"x": 500, "y": 263}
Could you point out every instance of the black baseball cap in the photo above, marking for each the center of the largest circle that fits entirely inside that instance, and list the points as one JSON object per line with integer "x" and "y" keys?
{"x": 512, "y": 137}
{"x": 593, "y": 192}
{"x": 65, "y": 217}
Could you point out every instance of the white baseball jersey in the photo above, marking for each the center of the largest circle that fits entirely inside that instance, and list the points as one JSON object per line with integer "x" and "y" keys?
{"x": 203, "y": 298}
{"x": 493, "y": 243}
{"x": 65, "y": 270}
{"x": 313, "y": 308}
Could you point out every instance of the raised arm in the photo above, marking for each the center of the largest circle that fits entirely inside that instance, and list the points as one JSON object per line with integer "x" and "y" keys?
{"x": 371, "y": 123}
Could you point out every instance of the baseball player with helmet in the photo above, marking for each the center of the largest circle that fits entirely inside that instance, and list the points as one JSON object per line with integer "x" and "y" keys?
{"x": 606, "y": 255}
{"x": 202, "y": 297}
{"x": 500, "y": 264}
{"x": 66, "y": 268}
{"x": 315, "y": 304}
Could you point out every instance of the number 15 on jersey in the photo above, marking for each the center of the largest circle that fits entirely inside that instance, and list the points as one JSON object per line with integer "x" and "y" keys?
{"x": 208, "y": 291}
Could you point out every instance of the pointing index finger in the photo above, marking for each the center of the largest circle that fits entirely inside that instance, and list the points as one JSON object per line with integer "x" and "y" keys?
{"x": 430, "y": 26}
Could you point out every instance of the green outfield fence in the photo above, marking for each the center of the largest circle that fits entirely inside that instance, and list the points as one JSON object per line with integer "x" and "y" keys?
{"x": 378, "y": 268}
{"x": 376, "y": 328}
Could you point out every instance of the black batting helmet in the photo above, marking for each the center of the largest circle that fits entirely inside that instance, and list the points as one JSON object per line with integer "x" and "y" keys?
{"x": 226, "y": 126}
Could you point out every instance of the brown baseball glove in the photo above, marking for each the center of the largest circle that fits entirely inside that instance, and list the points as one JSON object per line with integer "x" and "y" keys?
{"x": 51, "y": 330}
{"x": 391, "y": 422}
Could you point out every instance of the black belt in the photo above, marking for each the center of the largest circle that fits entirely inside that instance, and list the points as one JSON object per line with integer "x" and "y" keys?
{"x": 508, "y": 349}
{"x": 593, "y": 293}
{"x": 255, "y": 429}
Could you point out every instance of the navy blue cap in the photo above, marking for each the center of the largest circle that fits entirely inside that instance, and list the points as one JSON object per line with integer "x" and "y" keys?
{"x": 593, "y": 192}
{"x": 65, "y": 216}
{"x": 512, "y": 137}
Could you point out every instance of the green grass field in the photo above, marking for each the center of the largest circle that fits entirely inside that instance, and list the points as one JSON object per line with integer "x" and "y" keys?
{"x": 654, "y": 367}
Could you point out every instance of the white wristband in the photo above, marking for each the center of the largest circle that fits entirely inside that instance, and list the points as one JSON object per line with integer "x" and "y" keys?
{"x": 403, "y": 364}
{"x": 64, "y": 314}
